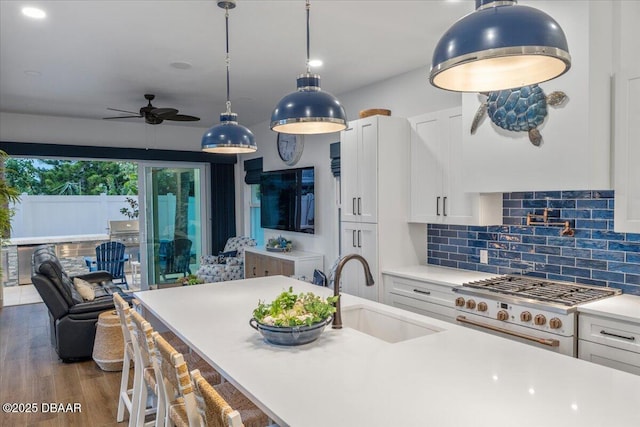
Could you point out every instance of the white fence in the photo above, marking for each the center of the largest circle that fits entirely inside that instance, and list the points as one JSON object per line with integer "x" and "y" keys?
{"x": 38, "y": 216}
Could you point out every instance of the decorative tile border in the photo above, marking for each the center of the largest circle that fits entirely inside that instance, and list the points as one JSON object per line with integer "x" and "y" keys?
{"x": 595, "y": 255}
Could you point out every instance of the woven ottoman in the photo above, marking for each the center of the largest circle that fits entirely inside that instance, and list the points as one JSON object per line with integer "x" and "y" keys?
{"x": 108, "y": 348}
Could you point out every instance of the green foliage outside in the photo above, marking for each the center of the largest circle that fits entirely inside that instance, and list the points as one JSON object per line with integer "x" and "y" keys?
{"x": 8, "y": 194}
{"x": 70, "y": 177}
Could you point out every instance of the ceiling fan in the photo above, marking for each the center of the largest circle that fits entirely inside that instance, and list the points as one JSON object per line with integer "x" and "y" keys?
{"x": 153, "y": 115}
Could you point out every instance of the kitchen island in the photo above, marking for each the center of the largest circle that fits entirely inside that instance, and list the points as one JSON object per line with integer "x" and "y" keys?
{"x": 452, "y": 376}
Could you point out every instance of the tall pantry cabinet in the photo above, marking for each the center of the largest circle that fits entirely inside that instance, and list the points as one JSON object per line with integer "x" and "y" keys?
{"x": 374, "y": 158}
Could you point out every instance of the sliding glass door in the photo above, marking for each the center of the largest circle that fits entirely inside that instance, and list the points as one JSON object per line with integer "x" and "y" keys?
{"x": 173, "y": 225}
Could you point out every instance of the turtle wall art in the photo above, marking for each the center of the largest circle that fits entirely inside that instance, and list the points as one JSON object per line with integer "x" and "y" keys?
{"x": 520, "y": 109}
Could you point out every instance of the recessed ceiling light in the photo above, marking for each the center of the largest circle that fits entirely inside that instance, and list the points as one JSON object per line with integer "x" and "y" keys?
{"x": 315, "y": 63}
{"x": 181, "y": 65}
{"x": 34, "y": 12}
{"x": 32, "y": 73}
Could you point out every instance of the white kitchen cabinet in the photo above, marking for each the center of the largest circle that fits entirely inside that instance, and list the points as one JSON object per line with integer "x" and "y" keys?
{"x": 575, "y": 153}
{"x": 610, "y": 342}
{"x": 362, "y": 239}
{"x": 436, "y": 191}
{"x": 627, "y": 152}
{"x": 374, "y": 200}
{"x": 422, "y": 297}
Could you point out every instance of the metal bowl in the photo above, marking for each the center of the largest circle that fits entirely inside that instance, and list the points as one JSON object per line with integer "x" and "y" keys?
{"x": 289, "y": 335}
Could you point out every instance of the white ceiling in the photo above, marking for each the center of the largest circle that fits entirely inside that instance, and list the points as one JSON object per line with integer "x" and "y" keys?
{"x": 89, "y": 55}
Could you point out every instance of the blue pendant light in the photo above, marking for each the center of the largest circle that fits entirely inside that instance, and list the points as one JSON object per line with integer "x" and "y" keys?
{"x": 228, "y": 137}
{"x": 501, "y": 45}
{"x": 309, "y": 110}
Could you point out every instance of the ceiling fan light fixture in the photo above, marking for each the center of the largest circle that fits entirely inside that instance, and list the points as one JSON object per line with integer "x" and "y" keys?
{"x": 228, "y": 137}
{"x": 309, "y": 110}
{"x": 501, "y": 45}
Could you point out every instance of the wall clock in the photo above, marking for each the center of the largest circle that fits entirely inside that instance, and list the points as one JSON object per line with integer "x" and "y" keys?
{"x": 290, "y": 147}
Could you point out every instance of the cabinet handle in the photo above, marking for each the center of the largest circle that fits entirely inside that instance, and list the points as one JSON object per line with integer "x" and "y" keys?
{"x": 444, "y": 206}
{"x": 420, "y": 291}
{"x": 254, "y": 270}
{"x": 353, "y": 205}
{"x": 359, "y": 238}
{"x": 359, "y": 206}
{"x": 438, "y": 206}
{"x": 603, "y": 332}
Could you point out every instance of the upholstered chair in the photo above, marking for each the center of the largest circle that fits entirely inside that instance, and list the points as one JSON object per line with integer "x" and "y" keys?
{"x": 229, "y": 265}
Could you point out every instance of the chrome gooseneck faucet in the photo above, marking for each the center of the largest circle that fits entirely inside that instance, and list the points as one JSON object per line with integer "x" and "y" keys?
{"x": 337, "y": 316}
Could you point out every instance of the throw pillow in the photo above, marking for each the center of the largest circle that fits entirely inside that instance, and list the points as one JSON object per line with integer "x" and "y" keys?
{"x": 85, "y": 289}
{"x": 223, "y": 255}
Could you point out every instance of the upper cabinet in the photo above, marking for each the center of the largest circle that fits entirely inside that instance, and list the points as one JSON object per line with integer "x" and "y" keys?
{"x": 627, "y": 119}
{"x": 436, "y": 192}
{"x": 359, "y": 155}
{"x": 576, "y": 135}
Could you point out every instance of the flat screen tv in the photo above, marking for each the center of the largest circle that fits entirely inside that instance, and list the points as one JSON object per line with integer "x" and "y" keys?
{"x": 287, "y": 200}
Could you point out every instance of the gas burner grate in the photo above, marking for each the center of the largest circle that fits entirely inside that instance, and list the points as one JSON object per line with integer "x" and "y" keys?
{"x": 568, "y": 294}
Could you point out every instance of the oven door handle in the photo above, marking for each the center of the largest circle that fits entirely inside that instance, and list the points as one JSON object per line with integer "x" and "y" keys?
{"x": 544, "y": 341}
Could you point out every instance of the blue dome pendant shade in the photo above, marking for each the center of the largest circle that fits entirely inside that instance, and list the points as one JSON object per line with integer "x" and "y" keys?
{"x": 501, "y": 45}
{"x": 228, "y": 137}
{"x": 309, "y": 110}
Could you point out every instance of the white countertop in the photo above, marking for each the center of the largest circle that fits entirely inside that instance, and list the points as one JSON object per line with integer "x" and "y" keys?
{"x": 456, "y": 377}
{"x": 18, "y": 241}
{"x": 440, "y": 275}
{"x": 621, "y": 307}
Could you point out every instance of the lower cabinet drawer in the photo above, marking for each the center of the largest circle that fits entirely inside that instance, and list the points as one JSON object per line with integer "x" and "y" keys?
{"x": 616, "y": 358}
{"x": 609, "y": 332}
{"x": 425, "y": 308}
{"x": 423, "y": 291}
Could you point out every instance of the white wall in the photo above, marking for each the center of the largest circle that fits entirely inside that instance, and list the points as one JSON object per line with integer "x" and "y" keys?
{"x": 105, "y": 133}
{"x": 406, "y": 95}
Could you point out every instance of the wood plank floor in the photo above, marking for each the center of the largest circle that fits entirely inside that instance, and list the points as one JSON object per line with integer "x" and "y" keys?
{"x": 30, "y": 371}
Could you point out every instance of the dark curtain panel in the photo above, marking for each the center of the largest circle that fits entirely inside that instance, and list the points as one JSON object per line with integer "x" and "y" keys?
{"x": 223, "y": 208}
{"x": 334, "y": 154}
{"x": 253, "y": 169}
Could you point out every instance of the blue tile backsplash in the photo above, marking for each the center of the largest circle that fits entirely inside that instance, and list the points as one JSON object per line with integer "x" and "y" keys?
{"x": 594, "y": 255}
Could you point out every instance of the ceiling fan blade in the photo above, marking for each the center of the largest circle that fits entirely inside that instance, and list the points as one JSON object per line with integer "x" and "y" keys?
{"x": 182, "y": 118}
{"x": 124, "y": 111}
{"x": 122, "y": 117}
{"x": 164, "y": 112}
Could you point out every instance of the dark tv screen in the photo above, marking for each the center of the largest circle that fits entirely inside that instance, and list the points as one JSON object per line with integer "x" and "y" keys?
{"x": 287, "y": 200}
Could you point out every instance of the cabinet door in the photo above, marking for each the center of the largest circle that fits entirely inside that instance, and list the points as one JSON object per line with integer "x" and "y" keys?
{"x": 367, "y": 201}
{"x": 426, "y": 164}
{"x": 251, "y": 264}
{"x": 458, "y": 206}
{"x": 349, "y": 173}
{"x": 361, "y": 239}
{"x": 627, "y": 152}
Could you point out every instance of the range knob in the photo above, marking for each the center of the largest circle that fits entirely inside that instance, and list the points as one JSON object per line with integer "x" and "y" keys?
{"x": 525, "y": 316}
{"x": 459, "y": 302}
{"x": 539, "y": 320}
{"x": 555, "y": 323}
{"x": 482, "y": 306}
{"x": 503, "y": 315}
{"x": 471, "y": 304}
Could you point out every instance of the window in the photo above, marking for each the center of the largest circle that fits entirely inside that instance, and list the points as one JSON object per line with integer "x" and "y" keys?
{"x": 257, "y": 232}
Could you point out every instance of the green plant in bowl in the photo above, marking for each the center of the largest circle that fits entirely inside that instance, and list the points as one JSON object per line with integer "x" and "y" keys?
{"x": 292, "y": 319}
{"x": 289, "y": 309}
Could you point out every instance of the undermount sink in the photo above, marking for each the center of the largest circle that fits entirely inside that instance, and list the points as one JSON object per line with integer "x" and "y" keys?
{"x": 389, "y": 327}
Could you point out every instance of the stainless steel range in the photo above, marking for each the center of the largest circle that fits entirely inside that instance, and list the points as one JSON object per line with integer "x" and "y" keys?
{"x": 527, "y": 309}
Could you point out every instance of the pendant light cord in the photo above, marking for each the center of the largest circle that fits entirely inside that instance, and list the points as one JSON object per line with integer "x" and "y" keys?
{"x": 227, "y": 60}
{"x": 308, "y": 7}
